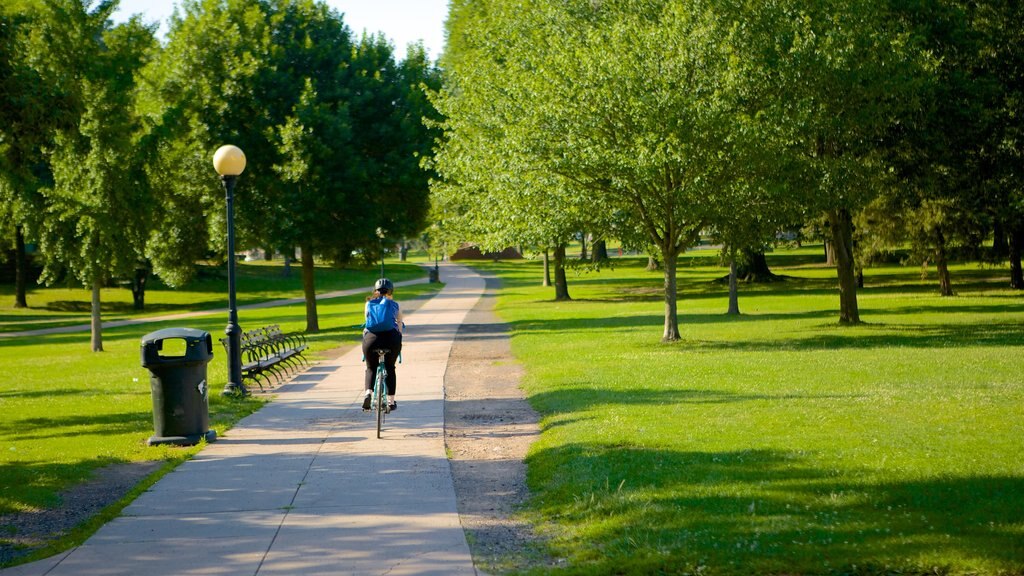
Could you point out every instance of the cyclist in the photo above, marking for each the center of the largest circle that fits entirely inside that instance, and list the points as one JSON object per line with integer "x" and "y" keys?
{"x": 383, "y": 329}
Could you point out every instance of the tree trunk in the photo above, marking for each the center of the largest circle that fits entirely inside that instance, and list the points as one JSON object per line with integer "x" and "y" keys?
{"x": 268, "y": 254}
{"x": 830, "y": 254}
{"x": 652, "y": 263}
{"x": 583, "y": 246}
{"x": 547, "y": 270}
{"x": 942, "y": 265}
{"x": 842, "y": 246}
{"x": 1000, "y": 247}
{"x": 755, "y": 267}
{"x": 734, "y": 300}
{"x": 96, "y": 328}
{"x": 20, "y": 269}
{"x": 561, "y": 285}
{"x": 671, "y": 256}
{"x": 599, "y": 251}
{"x": 309, "y": 289}
{"x": 1016, "y": 247}
{"x": 860, "y": 277}
{"x": 139, "y": 288}
{"x": 403, "y": 251}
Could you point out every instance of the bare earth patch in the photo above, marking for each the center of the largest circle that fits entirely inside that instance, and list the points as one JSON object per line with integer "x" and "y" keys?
{"x": 489, "y": 426}
{"x": 25, "y": 532}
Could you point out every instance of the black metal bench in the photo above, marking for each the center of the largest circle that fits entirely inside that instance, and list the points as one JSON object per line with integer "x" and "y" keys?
{"x": 267, "y": 351}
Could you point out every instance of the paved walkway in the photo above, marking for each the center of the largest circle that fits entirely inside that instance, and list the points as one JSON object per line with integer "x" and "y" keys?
{"x": 304, "y": 486}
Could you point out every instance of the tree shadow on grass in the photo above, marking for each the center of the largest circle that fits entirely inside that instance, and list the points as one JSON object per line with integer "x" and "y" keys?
{"x": 639, "y": 510}
{"x": 75, "y": 426}
{"x": 584, "y": 398}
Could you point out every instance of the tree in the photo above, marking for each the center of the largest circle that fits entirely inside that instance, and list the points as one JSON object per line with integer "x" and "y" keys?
{"x": 623, "y": 103}
{"x": 1002, "y": 59}
{"x": 96, "y": 209}
{"x": 336, "y": 125}
{"x": 32, "y": 107}
{"x": 490, "y": 188}
{"x": 843, "y": 76}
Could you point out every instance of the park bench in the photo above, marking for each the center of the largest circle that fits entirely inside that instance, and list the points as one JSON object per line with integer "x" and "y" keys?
{"x": 268, "y": 351}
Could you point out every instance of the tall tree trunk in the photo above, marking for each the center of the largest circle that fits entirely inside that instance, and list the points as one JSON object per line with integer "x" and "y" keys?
{"x": 96, "y": 328}
{"x": 139, "y": 288}
{"x": 1016, "y": 248}
{"x": 599, "y": 251}
{"x": 841, "y": 223}
{"x": 734, "y": 299}
{"x": 1000, "y": 247}
{"x": 830, "y": 253}
{"x": 20, "y": 269}
{"x": 583, "y": 246}
{"x": 942, "y": 265}
{"x": 309, "y": 289}
{"x": 561, "y": 284}
{"x": 403, "y": 251}
{"x": 547, "y": 270}
{"x": 670, "y": 254}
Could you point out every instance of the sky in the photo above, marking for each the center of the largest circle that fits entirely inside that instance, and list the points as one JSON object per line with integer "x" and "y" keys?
{"x": 401, "y": 21}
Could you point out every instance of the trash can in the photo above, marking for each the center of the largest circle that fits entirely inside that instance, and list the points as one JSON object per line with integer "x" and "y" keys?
{"x": 178, "y": 381}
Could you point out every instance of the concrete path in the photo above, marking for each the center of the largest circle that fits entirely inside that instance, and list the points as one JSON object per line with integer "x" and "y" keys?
{"x": 304, "y": 486}
{"x": 196, "y": 314}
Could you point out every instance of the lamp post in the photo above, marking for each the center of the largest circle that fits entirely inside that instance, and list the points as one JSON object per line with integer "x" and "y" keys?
{"x": 229, "y": 162}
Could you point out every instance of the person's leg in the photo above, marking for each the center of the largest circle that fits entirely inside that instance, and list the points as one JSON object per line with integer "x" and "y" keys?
{"x": 369, "y": 340}
{"x": 391, "y": 360}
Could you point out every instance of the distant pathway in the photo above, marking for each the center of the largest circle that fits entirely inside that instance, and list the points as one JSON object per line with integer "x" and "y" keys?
{"x": 184, "y": 315}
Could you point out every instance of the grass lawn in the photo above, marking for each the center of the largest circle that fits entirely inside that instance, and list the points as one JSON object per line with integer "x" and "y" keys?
{"x": 256, "y": 282}
{"x": 777, "y": 441}
{"x": 65, "y": 411}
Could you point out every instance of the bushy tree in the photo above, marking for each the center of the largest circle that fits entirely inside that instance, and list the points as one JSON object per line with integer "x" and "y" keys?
{"x": 96, "y": 211}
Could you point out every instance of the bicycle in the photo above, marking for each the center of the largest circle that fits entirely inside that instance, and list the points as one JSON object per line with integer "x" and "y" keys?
{"x": 379, "y": 402}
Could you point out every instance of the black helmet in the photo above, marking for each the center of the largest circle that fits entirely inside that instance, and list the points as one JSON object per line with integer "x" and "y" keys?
{"x": 384, "y": 286}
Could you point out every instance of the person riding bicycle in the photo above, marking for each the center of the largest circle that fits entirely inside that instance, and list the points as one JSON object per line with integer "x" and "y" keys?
{"x": 383, "y": 329}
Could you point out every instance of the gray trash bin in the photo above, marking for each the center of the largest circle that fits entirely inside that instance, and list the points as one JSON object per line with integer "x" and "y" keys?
{"x": 181, "y": 412}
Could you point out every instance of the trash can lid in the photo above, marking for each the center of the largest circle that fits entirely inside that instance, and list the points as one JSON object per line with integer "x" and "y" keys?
{"x": 167, "y": 333}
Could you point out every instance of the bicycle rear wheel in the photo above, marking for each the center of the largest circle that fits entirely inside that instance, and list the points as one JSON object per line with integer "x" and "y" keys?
{"x": 380, "y": 390}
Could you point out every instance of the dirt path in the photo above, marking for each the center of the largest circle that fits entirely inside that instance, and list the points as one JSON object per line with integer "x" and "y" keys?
{"x": 488, "y": 428}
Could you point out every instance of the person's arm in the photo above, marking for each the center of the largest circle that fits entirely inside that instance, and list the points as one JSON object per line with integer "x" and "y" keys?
{"x": 400, "y": 320}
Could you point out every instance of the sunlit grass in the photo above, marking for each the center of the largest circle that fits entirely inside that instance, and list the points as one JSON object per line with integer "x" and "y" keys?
{"x": 256, "y": 282}
{"x": 777, "y": 441}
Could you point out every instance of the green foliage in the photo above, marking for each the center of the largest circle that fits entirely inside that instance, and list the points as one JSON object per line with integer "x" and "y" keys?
{"x": 331, "y": 125}
{"x": 773, "y": 442}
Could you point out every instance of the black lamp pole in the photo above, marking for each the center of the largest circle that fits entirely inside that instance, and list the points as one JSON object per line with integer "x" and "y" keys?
{"x": 233, "y": 331}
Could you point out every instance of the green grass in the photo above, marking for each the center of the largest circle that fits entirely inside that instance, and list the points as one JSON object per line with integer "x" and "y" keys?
{"x": 65, "y": 411}
{"x": 777, "y": 441}
{"x": 256, "y": 282}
